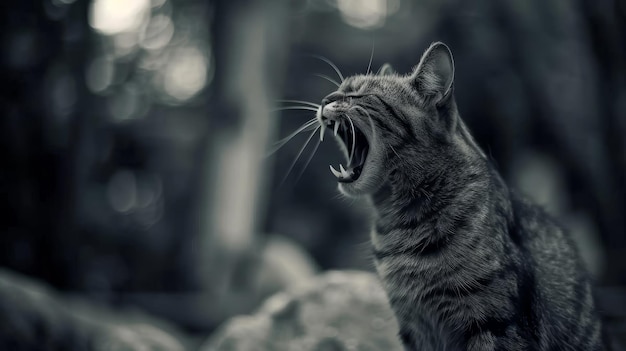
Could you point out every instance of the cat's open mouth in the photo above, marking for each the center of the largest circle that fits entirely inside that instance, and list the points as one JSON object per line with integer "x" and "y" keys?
{"x": 357, "y": 148}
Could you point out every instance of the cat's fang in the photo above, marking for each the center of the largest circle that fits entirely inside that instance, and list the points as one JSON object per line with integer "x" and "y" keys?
{"x": 336, "y": 173}
{"x": 322, "y": 128}
{"x": 344, "y": 173}
{"x": 336, "y": 128}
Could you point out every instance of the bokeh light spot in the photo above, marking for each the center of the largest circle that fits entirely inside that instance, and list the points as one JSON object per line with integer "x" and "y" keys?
{"x": 125, "y": 43}
{"x": 125, "y": 103}
{"x": 122, "y": 191}
{"x": 367, "y": 14}
{"x": 99, "y": 74}
{"x": 63, "y": 95}
{"x": 117, "y": 16}
{"x": 158, "y": 3}
{"x": 149, "y": 191}
{"x": 185, "y": 74}
{"x": 158, "y": 33}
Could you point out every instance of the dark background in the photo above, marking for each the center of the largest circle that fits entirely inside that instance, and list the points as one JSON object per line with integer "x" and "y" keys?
{"x": 133, "y": 137}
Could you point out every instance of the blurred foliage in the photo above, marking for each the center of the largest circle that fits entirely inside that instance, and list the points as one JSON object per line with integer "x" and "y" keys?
{"x": 111, "y": 110}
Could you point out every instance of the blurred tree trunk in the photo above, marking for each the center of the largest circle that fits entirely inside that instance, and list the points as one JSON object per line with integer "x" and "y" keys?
{"x": 607, "y": 32}
{"x": 250, "y": 46}
{"x": 43, "y": 60}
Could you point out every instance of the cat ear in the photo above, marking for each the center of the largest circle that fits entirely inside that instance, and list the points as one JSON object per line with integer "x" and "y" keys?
{"x": 386, "y": 70}
{"x": 434, "y": 75}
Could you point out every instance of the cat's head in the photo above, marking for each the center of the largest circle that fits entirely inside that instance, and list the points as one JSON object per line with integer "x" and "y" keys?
{"x": 380, "y": 120}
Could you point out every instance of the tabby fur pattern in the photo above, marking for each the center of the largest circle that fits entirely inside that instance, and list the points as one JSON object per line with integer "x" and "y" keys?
{"x": 466, "y": 262}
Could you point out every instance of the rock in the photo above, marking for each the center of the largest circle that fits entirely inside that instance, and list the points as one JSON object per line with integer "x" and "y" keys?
{"x": 35, "y": 317}
{"x": 339, "y": 310}
{"x": 133, "y": 337}
{"x": 283, "y": 263}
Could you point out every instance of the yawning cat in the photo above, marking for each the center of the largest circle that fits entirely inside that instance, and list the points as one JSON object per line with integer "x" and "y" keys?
{"x": 466, "y": 262}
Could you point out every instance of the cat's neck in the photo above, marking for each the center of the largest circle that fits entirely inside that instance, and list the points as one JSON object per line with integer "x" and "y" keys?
{"x": 431, "y": 181}
{"x": 452, "y": 190}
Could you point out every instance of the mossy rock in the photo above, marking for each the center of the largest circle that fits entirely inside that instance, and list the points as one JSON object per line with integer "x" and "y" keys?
{"x": 339, "y": 310}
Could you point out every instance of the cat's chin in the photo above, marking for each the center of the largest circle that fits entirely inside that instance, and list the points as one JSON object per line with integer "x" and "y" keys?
{"x": 361, "y": 187}
{"x": 351, "y": 190}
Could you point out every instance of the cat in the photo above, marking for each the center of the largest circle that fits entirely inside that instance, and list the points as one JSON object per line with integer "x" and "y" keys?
{"x": 467, "y": 263}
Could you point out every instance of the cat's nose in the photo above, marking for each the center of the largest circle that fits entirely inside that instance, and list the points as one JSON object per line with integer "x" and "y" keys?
{"x": 332, "y": 110}
{"x": 331, "y": 104}
{"x": 330, "y": 107}
{"x": 333, "y": 97}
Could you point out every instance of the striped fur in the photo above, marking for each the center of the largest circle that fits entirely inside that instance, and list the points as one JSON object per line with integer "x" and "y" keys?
{"x": 467, "y": 264}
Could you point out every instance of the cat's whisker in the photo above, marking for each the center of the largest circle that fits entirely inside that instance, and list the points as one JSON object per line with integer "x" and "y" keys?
{"x": 369, "y": 65}
{"x": 331, "y": 65}
{"x": 306, "y": 164}
{"x": 318, "y": 116}
{"x": 394, "y": 150}
{"x": 299, "y": 154}
{"x": 279, "y": 144}
{"x": 299, "y": 102}
{"x": 308, "y": 108}
{"x": 353, "y": 140}
{"x": 328, "y": 79}
{"x": 364, "y": 111}
{"x": 308, "y": 125}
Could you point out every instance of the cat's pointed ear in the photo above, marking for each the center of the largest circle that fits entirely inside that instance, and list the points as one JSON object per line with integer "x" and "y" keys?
{"x": 434, "y": 75}
{"x": 386, "y": 70}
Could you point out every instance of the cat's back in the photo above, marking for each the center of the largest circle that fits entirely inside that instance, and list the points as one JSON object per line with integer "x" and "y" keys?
{"x": 563, "y": 304}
